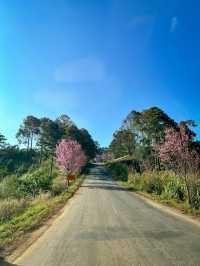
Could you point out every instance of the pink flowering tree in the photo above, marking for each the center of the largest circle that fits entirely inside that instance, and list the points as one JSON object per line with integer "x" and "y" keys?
{"x": 70, "y": 157}
{"x": 176, "y": 152}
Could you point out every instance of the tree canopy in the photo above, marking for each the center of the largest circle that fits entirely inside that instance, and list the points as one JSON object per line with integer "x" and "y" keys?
{"x": 141, "y": 131}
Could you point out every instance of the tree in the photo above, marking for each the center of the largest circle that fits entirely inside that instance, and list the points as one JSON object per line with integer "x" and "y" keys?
{"x": 123, "y": 143}
{"x": 148, "y": 127}
{"x": 50, "y": 135}
{"x": 64, "y": 121}
{"x": 176, "y": 153}
{"x": 84, "y": 139}
{"x": 70, "y": 156}
{"x": 2, "y": 141}
{"x": 87, "y": 143}
{"x": 28, "y": 131}
{"x": 14, "y": 160}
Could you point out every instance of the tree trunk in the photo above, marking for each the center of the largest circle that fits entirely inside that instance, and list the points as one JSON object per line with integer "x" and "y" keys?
{"x": 31, "y": 140}
{"x": 159, "y": 167}
{"x": 40, "y": 160}
{"x": 51, "y": 167}
{"x": 28, "y": 144}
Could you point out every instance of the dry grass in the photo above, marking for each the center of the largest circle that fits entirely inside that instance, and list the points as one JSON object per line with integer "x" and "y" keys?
{"x": 11, "y": 207}
{"x": 35, "y": 215}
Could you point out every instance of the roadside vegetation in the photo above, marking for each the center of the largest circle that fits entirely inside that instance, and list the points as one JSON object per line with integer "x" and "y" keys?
{"x": 34, "y": 181}
{"x": 160, "y": 158}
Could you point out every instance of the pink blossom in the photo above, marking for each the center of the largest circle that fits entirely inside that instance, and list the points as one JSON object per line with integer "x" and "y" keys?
{"x": 176, "y": 150}
{"x": 70, "y": 156}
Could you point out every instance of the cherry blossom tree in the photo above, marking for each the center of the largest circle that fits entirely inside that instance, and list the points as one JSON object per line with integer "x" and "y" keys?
{"x": 70, "y": 157}
{"x": 176, "y": 152}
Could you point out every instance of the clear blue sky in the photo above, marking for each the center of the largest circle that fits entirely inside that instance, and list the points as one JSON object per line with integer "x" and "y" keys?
{"x": 98, "y": 60}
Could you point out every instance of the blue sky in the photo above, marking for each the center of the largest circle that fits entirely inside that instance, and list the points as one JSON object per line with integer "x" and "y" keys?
{"x": 98, "y": 60}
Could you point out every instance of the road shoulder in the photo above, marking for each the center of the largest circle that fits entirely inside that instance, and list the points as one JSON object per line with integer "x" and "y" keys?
{"x": 170, "y": 210}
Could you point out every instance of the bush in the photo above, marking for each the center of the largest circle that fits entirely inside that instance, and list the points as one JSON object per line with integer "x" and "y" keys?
{"x": 163, "y": 183}
{"x": 174, "y": 187}
{"x": 16, "y": 161}
{"x": 30, "y": 184}
{"x": 154, "y": 186}
{"x": 195, "y": 194}
{"x": 59, "y": 185}
{"x": 118, "y": 171}
{"x": 35, "y": 182}
{"x": 9, "y": 187}
{"x": 10, "y": 208}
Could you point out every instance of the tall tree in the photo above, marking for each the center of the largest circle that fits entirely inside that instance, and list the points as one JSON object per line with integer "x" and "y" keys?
{"x": 64, "y": 121}
{"x": 2, "y": 141}
{"x": 88, "y": 144}
{"x": 83, "y": 137}
{"x": 177, "y": 153}
{"x": 28, "y": 131}
{"x": 123, "y": 143}
{"x": 149, "y": 127}
{"x": 50, "y": 135}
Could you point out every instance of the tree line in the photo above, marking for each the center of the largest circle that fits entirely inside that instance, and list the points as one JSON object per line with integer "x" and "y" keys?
{"x": 37, "y": 139}
{"x": 140, "y": 132}
{"x": 158, "y": 143}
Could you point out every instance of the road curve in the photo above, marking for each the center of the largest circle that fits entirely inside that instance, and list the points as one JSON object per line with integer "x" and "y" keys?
{"x": 104, "y": 225}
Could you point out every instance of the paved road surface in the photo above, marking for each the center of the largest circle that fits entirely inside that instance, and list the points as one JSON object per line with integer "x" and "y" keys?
{"x": 104, "y": 225}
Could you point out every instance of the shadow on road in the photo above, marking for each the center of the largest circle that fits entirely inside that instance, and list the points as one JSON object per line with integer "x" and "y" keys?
{"x": 125, "y": 233}
{"x": 99, "y": 177}
{"x": 107, "y": 187}
{"x": 5, "y": 263}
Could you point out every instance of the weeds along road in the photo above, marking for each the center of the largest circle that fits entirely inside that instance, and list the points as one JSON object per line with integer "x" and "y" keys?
{"x": 105, "y": 225}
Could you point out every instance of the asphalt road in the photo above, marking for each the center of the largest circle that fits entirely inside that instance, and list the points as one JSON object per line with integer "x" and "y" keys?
{"x": 105, "y": 225}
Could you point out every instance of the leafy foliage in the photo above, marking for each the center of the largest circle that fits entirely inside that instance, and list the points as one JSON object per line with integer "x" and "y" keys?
{"x": 9, "y": 188}
{"x": 123, "y": 143}
{"x": 118, "y": 171}
{"x": 59, "y": 185}
{"x": 28, "y": 131}
{"x": 159, "y": 143}
{"x": 10, "y": 208}
{"x": 176, "y": 151}
{"x": 16, "y": 161}
{"x": 2, "y": 141}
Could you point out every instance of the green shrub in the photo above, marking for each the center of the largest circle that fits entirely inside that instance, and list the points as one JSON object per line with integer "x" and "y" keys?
{"x": 118, "y": 171}
{"x": 195, "y": 194}
{"x": 15, "y": 161}
{"x": 33, "y": 183}
{"x": 10, "y": 208}
{"x": 163, "y": 183}
{"x": 9, "y": 187}
{"x": 174, "y": 187}
{"x": 154, "y": 186}
{"x": 29, "y": 184}
{"x": 59, "y": 185}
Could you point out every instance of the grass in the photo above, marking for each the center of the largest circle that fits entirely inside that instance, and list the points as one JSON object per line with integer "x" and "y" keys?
{"x": 35, "y": 215}
{"x": 10, "y": 208}
{"x": 181, "y": 206}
